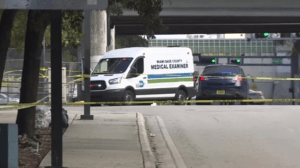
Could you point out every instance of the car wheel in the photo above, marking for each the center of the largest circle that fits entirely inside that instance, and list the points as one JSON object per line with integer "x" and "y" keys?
{"x": 128, "y": 96}
{"x": 181, "y": 96}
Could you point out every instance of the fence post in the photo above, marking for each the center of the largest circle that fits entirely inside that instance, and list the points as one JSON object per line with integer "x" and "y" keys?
{"x": 64, "y": 84}
{"x": 49, "y": 84}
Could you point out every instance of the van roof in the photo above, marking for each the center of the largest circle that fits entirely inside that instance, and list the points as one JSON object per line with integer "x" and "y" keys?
{"x": 138, "y": 51}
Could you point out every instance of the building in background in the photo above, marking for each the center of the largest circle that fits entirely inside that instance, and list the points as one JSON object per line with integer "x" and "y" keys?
{"x": 242, "y": 45}
{"x": 219, "y": 44}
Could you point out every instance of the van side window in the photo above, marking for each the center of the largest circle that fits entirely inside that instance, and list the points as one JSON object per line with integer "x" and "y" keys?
{"x": 137, "y": 68}
{"x": 140, "y": 65}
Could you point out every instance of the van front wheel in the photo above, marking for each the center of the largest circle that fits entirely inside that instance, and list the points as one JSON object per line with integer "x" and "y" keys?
{"x": 181, "y": 96}
{"x": 128, "y": 96}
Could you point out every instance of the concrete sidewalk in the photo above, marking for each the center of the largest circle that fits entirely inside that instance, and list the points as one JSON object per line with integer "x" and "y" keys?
{"x": 108, "y": 141}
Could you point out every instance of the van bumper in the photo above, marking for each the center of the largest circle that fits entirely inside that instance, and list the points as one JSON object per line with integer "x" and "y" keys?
{"x": 107, "y": 95}
{"x": 230, "y": 93}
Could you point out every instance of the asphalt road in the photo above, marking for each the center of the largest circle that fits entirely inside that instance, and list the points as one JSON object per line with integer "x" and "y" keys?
{"x": 228, "y": 136}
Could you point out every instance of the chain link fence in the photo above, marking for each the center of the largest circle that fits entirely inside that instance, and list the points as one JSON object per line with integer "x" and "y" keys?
{"x": 12, "y": 78}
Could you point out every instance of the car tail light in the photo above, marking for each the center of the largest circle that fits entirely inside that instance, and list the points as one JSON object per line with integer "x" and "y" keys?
{"x": 259, "y": 94}
{"x": 195, "y": 79}
{"x": 91, "y": 85}
{"x": 202, "y": 78}
{"x": 240, "y": 79}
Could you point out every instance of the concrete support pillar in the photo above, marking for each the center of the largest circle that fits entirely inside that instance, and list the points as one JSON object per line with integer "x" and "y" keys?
{"x": 112, "y": 45}
{"x": 98, "y": 36}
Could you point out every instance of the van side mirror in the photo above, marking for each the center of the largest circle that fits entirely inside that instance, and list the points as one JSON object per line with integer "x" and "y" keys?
{"x": 196, "y": 73}
{"x": 132, "y": 73}
{"x": 196, "y": 58}
{"x": 133, "y": 70}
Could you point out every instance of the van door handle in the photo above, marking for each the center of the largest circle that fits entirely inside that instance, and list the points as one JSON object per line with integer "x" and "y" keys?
{"x": 144, "y": 77}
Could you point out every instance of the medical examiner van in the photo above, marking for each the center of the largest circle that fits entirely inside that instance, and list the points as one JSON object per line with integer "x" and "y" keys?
{"x": 144, "y": 74}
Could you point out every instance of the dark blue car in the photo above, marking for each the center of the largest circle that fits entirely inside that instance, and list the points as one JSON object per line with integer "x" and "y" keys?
{"x": 221, "y": 81}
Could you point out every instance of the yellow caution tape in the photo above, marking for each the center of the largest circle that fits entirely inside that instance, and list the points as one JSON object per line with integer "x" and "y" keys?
{"x": 224, "y": 77}
{"x": 12, "y": 106}
{"x": 80, "y": 76}
{"x": 244, "y": 77}
{"x": 73, "y": 71}
{"x": 252, "y": 77}
{"x": 43, "y": 69}
{"x": 7, "y": 72}
{"x": 27, "y": 105}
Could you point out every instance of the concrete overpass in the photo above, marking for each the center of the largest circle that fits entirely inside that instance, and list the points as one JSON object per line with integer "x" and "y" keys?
{"x": 217, "y": 16}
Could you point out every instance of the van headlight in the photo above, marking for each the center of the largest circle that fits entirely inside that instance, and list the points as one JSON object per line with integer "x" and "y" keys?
{"x": 115, "y": 81}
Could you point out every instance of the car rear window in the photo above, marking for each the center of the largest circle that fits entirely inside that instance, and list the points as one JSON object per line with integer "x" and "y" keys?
{"x": 223, "y": 70}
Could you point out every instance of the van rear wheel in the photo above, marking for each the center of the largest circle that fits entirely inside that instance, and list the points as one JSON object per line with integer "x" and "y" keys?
{"x": 181, "y": 96}
{"x": 128, "y": 96}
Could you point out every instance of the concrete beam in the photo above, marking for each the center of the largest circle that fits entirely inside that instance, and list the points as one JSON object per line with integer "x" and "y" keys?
{"x": 211, "y": 29}
{"x": 227, "y": 8}
{"x": 185, "y": 17}
{"x": 127, "y": 20}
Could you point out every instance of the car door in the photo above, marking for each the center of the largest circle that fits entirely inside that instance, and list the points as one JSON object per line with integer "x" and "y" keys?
{"x": 136, "y": 76}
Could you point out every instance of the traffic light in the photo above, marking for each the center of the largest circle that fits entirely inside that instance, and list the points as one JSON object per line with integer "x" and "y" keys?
{"x": 277, "y": 61}
{"x": 208, "y": 60}
{"x": 213, "y": 61}
{"x": 262, "y": 35}
{"x": 236, "y": 61}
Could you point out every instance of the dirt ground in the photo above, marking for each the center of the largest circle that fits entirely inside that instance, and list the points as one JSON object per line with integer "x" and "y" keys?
{"x": 31, "y": 154}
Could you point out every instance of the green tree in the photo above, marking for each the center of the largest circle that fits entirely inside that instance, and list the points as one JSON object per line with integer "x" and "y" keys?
{"x": 18, "y": 31}
{"x": 36, "y": 26}
{"x": 6, "y": 25}
{"x": 130, "y": 41}
{"x": 37, "y": 23}
{"x": 71, "y": 34}
{"x": 148, "y": 11}
{"x": 71, "y": 29}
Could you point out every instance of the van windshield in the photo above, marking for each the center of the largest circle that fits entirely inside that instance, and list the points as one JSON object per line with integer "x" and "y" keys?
{"x": 112, "y": 65}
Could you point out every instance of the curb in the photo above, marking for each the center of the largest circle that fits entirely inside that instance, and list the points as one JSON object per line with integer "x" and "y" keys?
{"x": 170, "y": 144}
{"x": 148, "y": 157}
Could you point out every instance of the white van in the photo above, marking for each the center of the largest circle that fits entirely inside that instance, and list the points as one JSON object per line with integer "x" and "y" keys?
{"x": 144, "y": 74}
